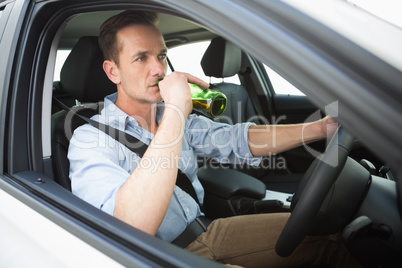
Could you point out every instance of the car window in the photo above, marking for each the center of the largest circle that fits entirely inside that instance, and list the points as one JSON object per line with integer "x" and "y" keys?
{"x": 187, "y": 58}
{"x": 280, "y": 84}
{"x": 60, "y": 59}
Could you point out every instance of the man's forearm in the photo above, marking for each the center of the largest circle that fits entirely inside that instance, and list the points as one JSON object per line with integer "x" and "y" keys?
{"x": 144, "y": 198}
{"x": 272, "y": 139}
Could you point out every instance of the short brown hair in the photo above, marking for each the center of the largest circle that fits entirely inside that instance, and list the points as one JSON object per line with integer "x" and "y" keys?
{"x": 108, "y": 31}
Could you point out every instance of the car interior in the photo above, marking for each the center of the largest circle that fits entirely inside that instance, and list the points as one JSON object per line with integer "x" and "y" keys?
{"x": 83, "y": 85}
{"x": 230, "y": 189}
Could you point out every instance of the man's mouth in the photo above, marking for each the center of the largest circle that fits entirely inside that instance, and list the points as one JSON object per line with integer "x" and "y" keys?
{"x": 157, "y": 83}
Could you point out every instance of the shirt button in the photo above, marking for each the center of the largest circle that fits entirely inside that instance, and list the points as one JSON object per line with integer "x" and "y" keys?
{"x": 188, "y": 210}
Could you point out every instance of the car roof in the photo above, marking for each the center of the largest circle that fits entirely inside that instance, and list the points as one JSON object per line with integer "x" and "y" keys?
{"x": 175, "y": 30}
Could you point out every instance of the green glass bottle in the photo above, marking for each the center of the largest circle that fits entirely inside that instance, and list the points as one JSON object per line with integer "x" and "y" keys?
{"x": 207, "y": 101}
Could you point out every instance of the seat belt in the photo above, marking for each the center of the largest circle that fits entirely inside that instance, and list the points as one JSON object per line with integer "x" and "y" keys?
{"x": 136, "y": 146}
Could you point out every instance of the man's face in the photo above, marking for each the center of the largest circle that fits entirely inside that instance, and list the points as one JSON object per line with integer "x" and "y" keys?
{"x": 142, "y": 60}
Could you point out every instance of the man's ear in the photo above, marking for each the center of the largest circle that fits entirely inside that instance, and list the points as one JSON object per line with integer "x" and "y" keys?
{"x": 111, "y": 71}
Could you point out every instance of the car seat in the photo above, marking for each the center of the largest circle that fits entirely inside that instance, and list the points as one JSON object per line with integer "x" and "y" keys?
{"x": 82, "y": 77}
{"x": 222, "y": 59}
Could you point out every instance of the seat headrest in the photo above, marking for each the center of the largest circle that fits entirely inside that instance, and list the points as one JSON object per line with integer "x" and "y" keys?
{"x": 82, "y": 75}
{"x": 221, "y": 59}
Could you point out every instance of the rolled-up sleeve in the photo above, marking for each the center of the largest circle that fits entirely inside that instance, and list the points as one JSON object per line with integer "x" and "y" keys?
{"x": 221, "y": 142}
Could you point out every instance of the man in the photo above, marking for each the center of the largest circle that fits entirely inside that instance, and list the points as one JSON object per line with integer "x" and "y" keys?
{"x": 142, "y": 191}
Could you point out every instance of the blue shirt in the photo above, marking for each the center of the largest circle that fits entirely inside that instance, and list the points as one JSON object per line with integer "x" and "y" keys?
{"x": 99, "y": 165}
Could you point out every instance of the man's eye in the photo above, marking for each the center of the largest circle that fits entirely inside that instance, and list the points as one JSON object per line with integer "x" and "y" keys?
{"x": 140, "y": 59}
{"x": 162, "y": 57}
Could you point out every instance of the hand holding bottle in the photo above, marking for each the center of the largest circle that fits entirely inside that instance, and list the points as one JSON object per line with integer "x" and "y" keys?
{"x": 175, "y": 91}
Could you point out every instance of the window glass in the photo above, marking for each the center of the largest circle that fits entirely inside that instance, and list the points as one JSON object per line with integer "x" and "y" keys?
{"x": 281, "y": 85}
{"x": 60, "y": 59}
{"x": 187, "y": 58}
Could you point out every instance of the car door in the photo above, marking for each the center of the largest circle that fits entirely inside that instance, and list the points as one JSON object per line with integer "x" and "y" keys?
{"x": 281, "y": 102}
{"x": 277, "y": 101}
{"x": 291, "y": 106}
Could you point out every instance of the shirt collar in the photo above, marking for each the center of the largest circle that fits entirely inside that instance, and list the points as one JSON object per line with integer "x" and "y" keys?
{"x": 115, "y": 117}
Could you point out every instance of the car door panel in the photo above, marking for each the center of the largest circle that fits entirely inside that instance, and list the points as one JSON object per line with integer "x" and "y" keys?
{"x": 292, "y": 109}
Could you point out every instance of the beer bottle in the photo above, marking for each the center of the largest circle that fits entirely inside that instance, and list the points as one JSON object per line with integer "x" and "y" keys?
{"x": 207, "y": 101}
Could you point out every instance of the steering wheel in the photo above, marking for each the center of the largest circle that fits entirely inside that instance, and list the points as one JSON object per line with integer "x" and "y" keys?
{"x": 309, "y": 200}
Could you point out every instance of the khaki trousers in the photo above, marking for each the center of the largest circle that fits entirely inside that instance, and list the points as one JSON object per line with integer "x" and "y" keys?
{"x": 249, "y": 241}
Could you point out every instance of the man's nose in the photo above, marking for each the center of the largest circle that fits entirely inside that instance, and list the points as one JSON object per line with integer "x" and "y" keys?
{"x": 158, "y": 67}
